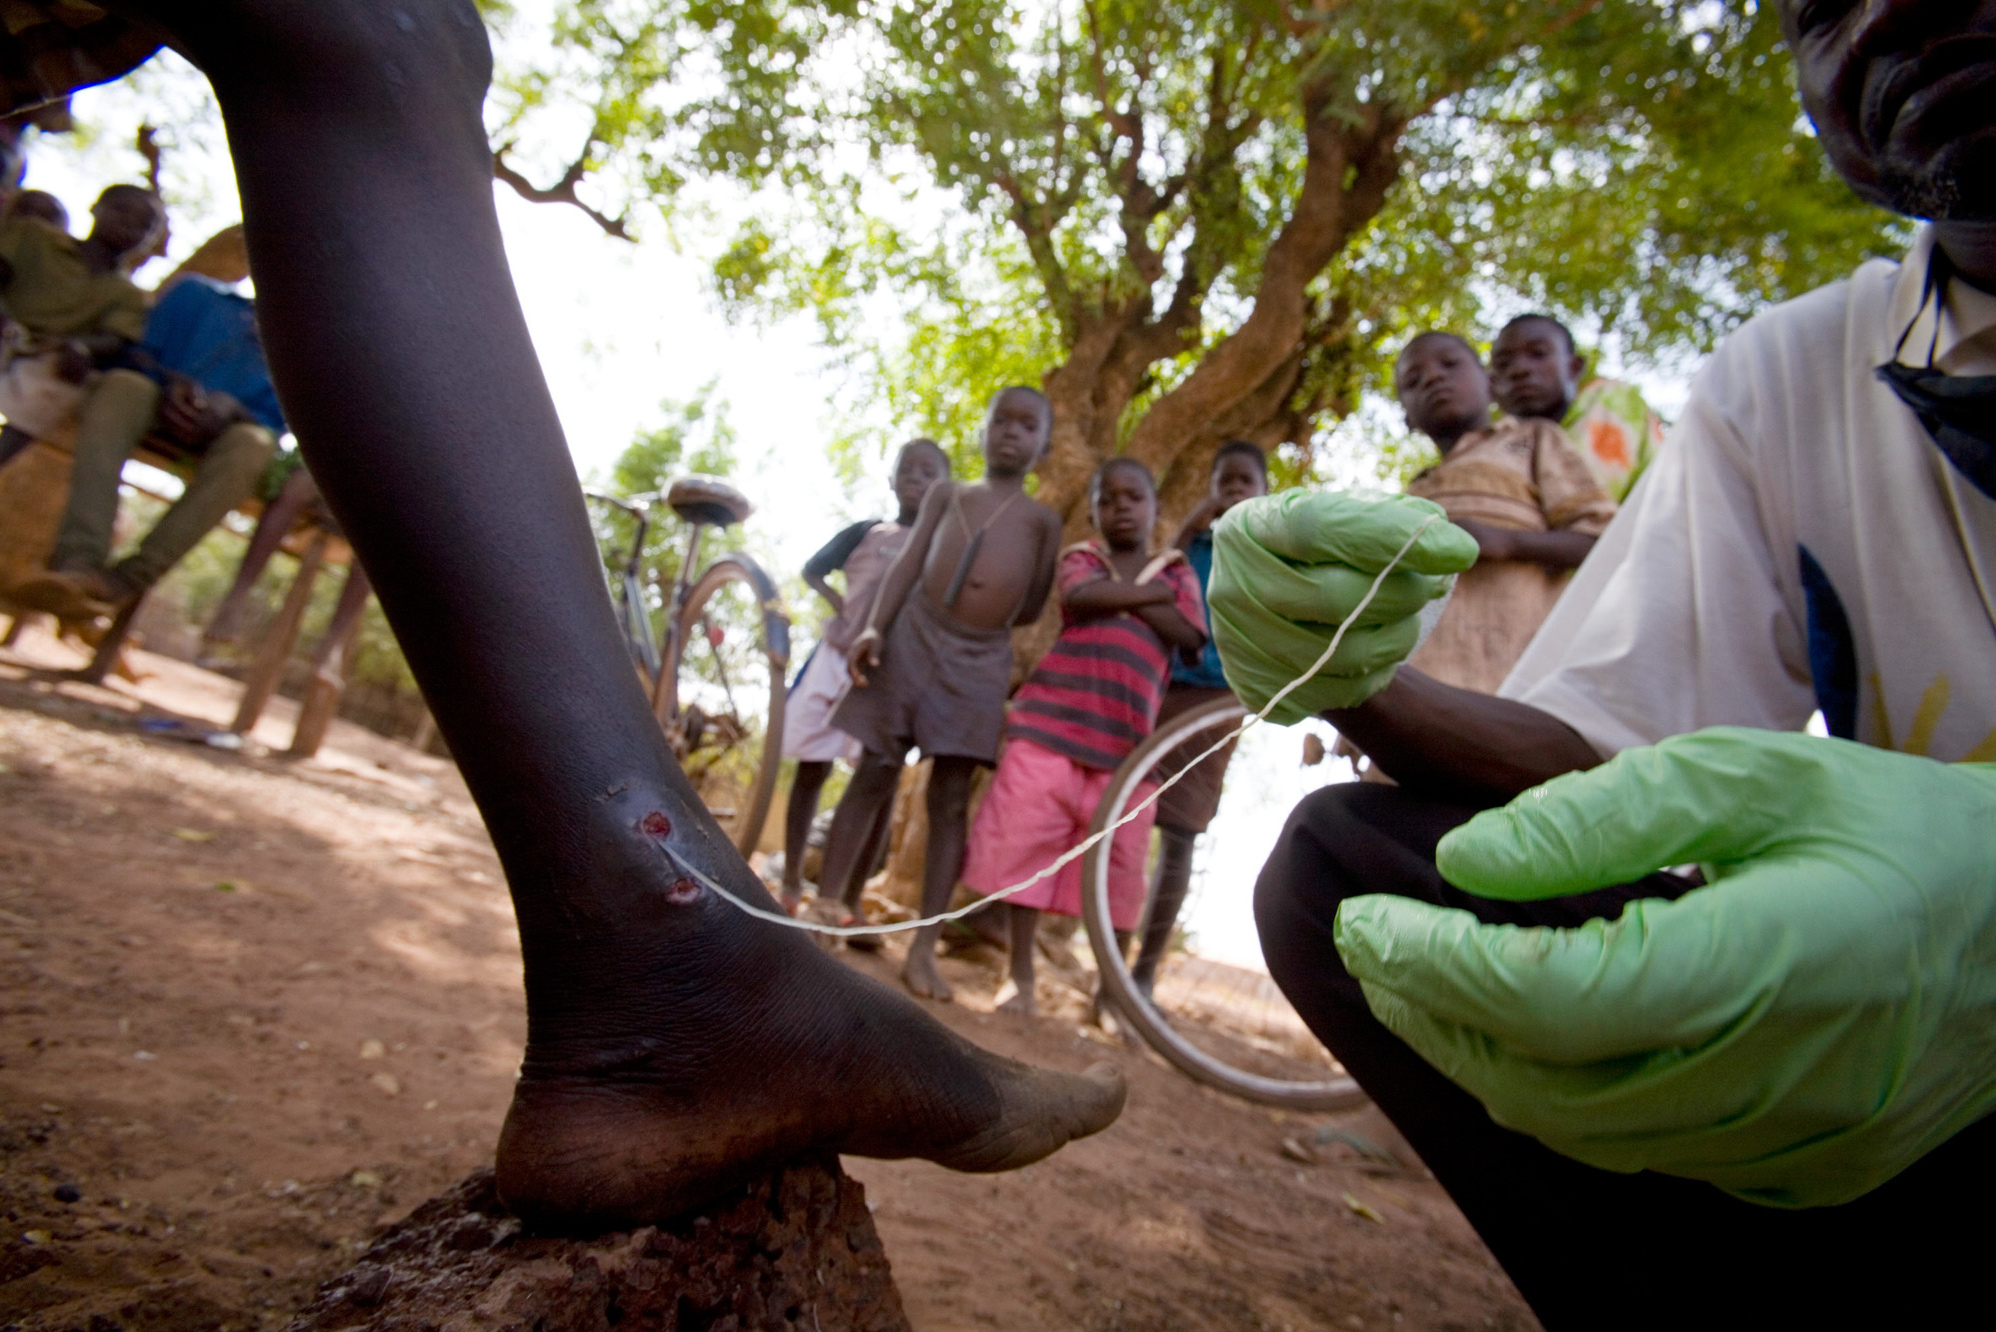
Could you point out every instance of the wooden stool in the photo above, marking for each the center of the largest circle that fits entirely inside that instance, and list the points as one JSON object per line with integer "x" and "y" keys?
{"x": 34, "y": 490}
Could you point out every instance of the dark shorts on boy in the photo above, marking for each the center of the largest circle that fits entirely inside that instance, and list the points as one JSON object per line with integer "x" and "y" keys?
{"x": 940, "y": 687}
{"x": 1189, "y": 805}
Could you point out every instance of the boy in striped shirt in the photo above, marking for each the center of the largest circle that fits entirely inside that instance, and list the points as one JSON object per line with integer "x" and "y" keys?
{"x": 1093, "y": 697}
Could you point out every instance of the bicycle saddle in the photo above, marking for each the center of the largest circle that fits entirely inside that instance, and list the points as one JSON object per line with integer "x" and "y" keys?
{"x": 708, "y": 499}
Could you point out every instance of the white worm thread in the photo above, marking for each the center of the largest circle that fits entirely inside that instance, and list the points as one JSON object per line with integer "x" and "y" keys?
{"x": 1076, "y": 852}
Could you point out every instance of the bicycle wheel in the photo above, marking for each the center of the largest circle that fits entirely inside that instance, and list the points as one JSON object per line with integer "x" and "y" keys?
{"x": 1253, "y": 1047}
{"x": 721, "y": 690}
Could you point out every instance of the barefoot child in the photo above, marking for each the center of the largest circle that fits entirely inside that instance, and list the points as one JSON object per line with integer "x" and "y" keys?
{"x": 1088, "y": 703}
{"x": 1240, "y": 471}
{"x": 934, "y": 664}
{"x": 864, "y": 551}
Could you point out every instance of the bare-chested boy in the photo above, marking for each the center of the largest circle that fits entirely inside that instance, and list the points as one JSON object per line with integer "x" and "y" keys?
{"x": 933, "y": 666}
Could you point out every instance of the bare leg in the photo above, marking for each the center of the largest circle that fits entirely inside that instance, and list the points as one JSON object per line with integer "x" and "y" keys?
{"x": 874, "y": 858}
{"x": 949, "y": 804}
{"x": 797, "y": 816}
{"x": 1174, "y": 876}
{"x": 1025, "y": 927}
{"x": 655, "y": 1012}
{"x": 868, "y": 795}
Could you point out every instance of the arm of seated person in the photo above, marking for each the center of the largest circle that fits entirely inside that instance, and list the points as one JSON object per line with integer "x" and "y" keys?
{"x": 1555, "y": 550}
{"x": 1437, "y": 739}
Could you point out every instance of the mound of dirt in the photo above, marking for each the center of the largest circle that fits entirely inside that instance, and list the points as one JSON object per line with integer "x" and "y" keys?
{"x": 254, "y": 1010}
{"x": 796, "y": 1249}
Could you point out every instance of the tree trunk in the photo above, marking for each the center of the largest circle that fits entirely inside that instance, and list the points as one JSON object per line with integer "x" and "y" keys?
{"x": 1246, "y": 386}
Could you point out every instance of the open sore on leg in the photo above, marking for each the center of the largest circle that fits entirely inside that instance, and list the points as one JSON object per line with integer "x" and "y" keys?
{"x": 675, "y": 1046}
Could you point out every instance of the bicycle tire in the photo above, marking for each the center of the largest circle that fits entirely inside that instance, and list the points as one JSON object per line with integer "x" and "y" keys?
{"x": 745, "y": 829}
{"x": 1327, "y": 1094}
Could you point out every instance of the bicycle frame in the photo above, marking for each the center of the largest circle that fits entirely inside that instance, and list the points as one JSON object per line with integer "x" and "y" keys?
{"x": 682, "y": 583}
{"x": 630, "y": 599}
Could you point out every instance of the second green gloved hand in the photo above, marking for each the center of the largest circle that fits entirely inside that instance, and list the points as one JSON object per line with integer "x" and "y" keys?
{"x": 1289, "y": 568}
{"x": 1797, "y": 1032}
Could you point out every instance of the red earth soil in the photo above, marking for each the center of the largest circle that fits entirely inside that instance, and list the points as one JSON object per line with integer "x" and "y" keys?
{"x": 253, "y": 1010}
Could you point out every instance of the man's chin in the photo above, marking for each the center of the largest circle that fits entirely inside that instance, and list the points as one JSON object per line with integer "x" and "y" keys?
{"x": 1956, "y": 184}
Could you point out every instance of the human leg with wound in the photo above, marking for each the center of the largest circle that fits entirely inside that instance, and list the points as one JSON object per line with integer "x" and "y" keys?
{"x": 398, "y": 346}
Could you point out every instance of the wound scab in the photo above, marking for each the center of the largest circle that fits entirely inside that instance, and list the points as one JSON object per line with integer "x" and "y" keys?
{"x": 682, "y": 891}
{"x": 655, "y": 824}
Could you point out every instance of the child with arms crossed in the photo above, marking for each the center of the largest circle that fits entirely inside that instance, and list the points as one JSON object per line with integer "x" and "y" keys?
{"x": 1089, "y": 702}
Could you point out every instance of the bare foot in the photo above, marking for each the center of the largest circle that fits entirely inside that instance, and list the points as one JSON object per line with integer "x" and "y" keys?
{"x": 689, "y": 1047}
{"x": 1016, "y": 1000}
{"x": 919, "y": 974}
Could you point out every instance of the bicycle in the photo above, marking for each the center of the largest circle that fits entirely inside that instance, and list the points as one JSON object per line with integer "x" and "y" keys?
{"x": 724, "y": 748}
{"x": 1257, "y": 1029}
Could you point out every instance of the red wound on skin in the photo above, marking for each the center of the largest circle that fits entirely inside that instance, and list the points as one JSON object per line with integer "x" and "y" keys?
{"x": 682, "y": 891}
{"x": 656, "y": 824}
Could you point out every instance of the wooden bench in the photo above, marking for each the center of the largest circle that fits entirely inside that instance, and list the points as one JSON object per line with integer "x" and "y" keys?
{"x": 34, "y": 489}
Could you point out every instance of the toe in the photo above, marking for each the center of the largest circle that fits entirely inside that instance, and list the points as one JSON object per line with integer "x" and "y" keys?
{"x": 1043, "y": 1112}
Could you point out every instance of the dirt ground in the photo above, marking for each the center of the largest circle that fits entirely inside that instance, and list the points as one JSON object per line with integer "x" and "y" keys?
{"x": 253, "y": 1009}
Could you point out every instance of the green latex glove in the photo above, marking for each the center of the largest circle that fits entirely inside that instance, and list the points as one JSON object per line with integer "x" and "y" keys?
{"x": 1797, "y": 1032}
{"x": 1289, "y": 568}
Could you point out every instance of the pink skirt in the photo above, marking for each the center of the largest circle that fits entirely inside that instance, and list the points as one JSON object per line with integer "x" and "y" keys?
{"x": 1040, "y": 804}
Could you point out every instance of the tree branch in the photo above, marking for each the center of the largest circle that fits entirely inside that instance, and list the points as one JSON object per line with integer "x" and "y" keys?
{"x": 148, "y": 145}
{"x": 563, "y": 190}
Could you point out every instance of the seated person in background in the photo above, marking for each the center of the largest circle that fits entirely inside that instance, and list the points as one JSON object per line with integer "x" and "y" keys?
{"x": 201, "y": 379}
{"x": 1538, "y": 375}
{"x": 1518, "y": 487}
{"x": 39, "y": 204}
{"x": 1240, "y": 471}
{"x": 75, "y": 293}
{"x": 864, "y": 551}
{"x": 933, "y": 666}
{"x": 1091, "y": 700}
{"x": 71, "y": 304}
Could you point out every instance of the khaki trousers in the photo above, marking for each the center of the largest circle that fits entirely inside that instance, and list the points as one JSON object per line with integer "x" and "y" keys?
{"x": 119, "y": 412}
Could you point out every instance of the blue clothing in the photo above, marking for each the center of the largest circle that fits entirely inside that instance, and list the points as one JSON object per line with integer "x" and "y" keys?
{"x": 207, "y": 332}
{"x": 1206, "y": 674}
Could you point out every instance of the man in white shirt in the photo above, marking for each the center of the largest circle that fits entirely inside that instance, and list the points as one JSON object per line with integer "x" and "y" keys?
{"x": 1820, "y": 536}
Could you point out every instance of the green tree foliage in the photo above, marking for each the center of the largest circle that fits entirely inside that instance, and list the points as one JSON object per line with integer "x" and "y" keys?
{"x": 618, "y": 102}
{"x": 1195, "y": 219}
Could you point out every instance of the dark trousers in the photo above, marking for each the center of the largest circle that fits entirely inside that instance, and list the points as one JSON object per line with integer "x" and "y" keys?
{"x": 1590, "y": 1248}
